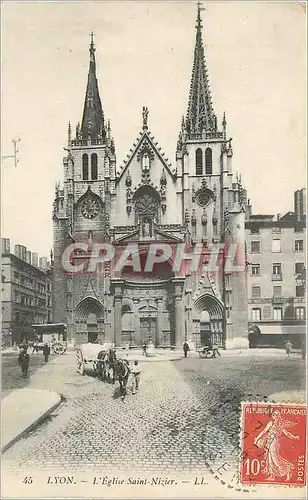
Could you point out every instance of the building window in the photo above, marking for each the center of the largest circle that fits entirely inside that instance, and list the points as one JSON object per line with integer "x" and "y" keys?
{"x": 93, "y": 166}
{"x": 255, "y": 230}
{"x": 277, "y": 272}
{"x": 299, "y": 245}
{"x": 255, "y": 269}
{"x": 298, "y": 229}
{"x": 277, "y": 314}
{"x": 277, "y": 268}
{"x": 255, "y": 292}
{"x": 300, "y": 291}
{"x": 299, "y": 267}
{"x": 300, "y": 313}
{"x": 256, "y": 314}
{"x": 85, "y": 167}
{"x": 208, "y": 161}
{"x": 199, "y": 162}
{"x": 255, "y": 247}
{"x": 276, "y": 246}
{"x": 277, "y": 291}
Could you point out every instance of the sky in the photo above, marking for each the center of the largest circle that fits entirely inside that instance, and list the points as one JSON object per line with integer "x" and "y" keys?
{"x": 255, "y": 53}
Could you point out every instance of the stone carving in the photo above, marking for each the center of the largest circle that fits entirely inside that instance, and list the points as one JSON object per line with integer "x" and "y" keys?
{"x": 204, "y": 218}
{"x": 145, "y": 115}
{"x": 193, "y": 218}
{"x": 186, "y": 216}
{"x": 193, "y": 193}
{"x": 128, "y": 180}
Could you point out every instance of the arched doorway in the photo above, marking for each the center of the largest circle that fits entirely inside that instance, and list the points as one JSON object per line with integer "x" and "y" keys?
{"x": 89, "y": 320}
{"x": 205, "y": 328}
{"x": 209, "y": 320}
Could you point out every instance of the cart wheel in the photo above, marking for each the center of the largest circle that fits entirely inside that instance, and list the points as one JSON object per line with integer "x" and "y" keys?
{"x": 80, "y": 362}
{"x": 202, "y": 354}
{"x": 208, "y": 354}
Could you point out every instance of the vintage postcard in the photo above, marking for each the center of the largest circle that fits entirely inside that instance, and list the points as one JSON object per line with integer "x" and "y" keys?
{"x": 153, "y": 260}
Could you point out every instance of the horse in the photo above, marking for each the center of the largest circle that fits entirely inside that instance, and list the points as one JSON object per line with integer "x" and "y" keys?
{"x": 106, "y": 361}
{"x": 121, "y": 372}
{"x": 109, "y": 362}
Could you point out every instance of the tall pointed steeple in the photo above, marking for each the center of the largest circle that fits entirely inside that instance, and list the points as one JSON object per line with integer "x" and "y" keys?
{"x": 200, "y": 113}
{"x": 92, "y": 125}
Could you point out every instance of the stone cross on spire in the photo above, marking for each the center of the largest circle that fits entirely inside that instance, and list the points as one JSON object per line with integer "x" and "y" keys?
{"x": 145, "y": 114}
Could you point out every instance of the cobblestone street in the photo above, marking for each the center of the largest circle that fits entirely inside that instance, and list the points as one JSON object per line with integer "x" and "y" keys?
{"x": 186, "y": 413}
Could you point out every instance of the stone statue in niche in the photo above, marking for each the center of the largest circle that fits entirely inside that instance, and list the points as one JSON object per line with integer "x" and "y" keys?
{"x": 146, "y": 228}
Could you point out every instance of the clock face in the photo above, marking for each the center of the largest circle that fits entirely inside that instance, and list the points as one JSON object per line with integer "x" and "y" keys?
{"x": 90, "y": 208}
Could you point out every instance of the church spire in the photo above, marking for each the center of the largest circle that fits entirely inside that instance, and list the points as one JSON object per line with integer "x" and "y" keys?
{"x": 92, "y": 126}
{"x": 200, "y": 113}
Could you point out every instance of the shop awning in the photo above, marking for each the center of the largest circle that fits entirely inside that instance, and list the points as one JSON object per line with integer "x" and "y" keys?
{"x": 282, "y": 329}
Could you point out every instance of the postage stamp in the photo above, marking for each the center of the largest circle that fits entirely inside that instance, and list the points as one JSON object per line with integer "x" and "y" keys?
{"x": 273, "y": 444}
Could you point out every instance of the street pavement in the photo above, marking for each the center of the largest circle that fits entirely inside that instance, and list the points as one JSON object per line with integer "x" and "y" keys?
{"x": 11, "y": 371}
{"x": 185, "y": 416}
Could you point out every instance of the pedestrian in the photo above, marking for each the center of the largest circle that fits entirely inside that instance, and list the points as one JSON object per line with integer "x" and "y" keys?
{"x": 135, "y": 371}
{"x": 23, "y": 361}
{"x": 215, "y": 350}
{"x": 144, "y": 349}
{"x": 303, "y": 349}
{"x": 186, "y": 348}
{"x": 46, "y": 352}
{"x": 35, "y": 347}
{"x": 288, "y": 347}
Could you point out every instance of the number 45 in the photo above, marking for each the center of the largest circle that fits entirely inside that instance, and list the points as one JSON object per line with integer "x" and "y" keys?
{"x": 28, "y": 480}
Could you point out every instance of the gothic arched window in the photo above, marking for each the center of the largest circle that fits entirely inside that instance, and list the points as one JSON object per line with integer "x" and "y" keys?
{"x": 94, "y": 166}
{"x": 199, "y": 162}
{"x": 208, "y": 161}
{"x": 85, "y": 167}
{"x": 146, "y": 208}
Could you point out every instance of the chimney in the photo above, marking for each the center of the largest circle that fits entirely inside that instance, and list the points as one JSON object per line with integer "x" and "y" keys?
{"x": 300, "y": 204}
{"x": 43, "y": 263}
{"x": 35, "y": 259}
{"x": 28, "y": 257}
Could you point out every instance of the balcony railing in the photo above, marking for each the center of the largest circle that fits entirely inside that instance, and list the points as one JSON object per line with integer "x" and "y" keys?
{"x": 277, "y": 277}
{"x": 277, "y": 300}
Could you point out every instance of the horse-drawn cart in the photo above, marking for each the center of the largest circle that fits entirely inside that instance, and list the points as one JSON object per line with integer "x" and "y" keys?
{"x": 89, "y": 356}
{"x": 205, "y": 351}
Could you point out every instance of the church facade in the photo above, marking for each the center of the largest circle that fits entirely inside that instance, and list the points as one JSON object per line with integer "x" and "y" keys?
{"x": 191, "y": 207}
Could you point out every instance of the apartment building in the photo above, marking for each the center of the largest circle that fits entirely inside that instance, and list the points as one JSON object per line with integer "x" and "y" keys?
{"x": 26, "y": 292}
{"x": 276, "y": 274}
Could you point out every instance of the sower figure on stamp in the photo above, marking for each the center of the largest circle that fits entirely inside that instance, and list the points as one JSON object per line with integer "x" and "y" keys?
{"x": 186, "y": 348}
{"x": 23, "y": 361}
{"x": 135, "y": 371}
{"x": 270, "y": 439}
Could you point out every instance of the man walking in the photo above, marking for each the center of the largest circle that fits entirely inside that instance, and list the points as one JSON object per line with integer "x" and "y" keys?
{"x": 135, "y": 371}
{"x": 288, "y": 348}
{"x": 23, "y": 361}
{"x": 186, "y": 348}
{"x": 215, "y": 350}
{"x": 46, "y": 352}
